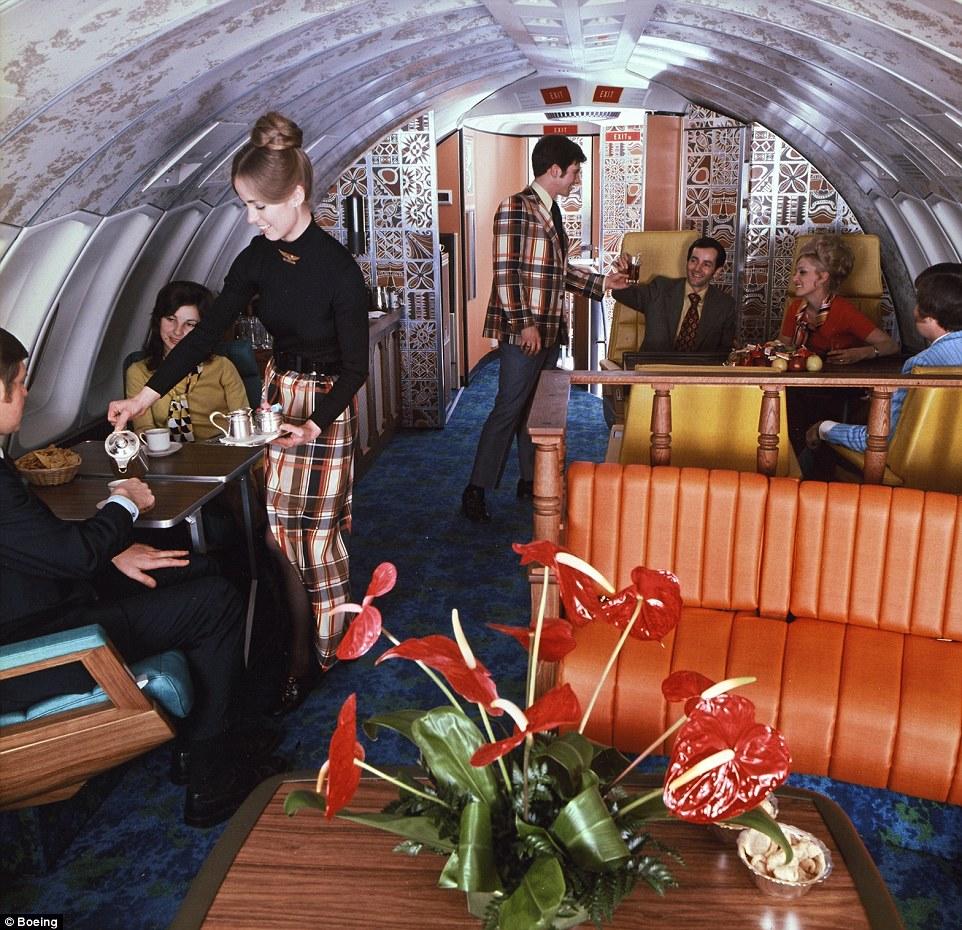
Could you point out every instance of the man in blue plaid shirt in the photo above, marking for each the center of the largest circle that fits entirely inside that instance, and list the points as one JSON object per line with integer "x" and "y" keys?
{"x": 526, "y": 311}
{"x": 938, "y": 317}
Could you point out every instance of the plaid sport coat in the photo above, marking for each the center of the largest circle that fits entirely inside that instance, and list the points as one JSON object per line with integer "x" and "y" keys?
{"x": 531, "y": 273}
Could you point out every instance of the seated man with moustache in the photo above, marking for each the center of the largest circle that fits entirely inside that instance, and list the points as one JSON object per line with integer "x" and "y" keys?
{"x": 684, "y": 314}
{"x": 57, "y": 575}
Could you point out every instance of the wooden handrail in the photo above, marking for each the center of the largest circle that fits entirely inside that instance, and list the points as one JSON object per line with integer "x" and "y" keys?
{"x": 549, "y": 414}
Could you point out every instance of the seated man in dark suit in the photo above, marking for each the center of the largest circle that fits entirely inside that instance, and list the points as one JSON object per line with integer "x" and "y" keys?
{"x": 684, "y": 314}
{"x": 54, "y": 576}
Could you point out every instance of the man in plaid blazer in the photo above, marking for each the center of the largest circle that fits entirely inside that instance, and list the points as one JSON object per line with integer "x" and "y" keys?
{"x": 525, "y": 311}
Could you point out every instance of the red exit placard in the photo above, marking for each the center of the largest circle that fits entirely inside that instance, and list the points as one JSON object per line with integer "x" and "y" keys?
{"x": 629, "y": 136}
{"x": 553, "y": 95}
{"x": 561, "y": 129}
{"x": 605, "y": 94}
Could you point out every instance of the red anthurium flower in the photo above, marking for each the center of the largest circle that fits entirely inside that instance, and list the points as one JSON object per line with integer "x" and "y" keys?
{"x": 685, "y": 686}
{"x": 557, "y": 638}
{"x": 584, "y": 600}
{"x": 343, "y": 776}
{"x": 759, "y": 761}
{"x": 579, "y": 593}
{"x": 661, "y": 607}
{"x": 444, "y": 656}
{"x": 363, "y": 633}
{"x": 555, "y": 708}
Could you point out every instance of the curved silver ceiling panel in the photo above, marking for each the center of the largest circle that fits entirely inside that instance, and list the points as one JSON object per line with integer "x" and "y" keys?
{"x": 99, "y": 97}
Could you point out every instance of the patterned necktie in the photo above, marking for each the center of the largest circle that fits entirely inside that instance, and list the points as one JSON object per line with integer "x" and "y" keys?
{"x": 689, "y": 326}
{"x": 559, "y": 225}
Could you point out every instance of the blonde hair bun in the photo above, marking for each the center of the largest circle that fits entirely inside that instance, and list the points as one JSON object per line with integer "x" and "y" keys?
{"x": 276, "y": 132}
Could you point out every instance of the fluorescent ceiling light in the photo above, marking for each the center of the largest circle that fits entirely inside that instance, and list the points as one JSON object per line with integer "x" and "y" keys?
{"x": 178, "y": 155}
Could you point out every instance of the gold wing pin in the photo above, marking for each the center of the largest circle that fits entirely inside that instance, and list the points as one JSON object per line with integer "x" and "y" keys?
{"x": 289, "y": 257}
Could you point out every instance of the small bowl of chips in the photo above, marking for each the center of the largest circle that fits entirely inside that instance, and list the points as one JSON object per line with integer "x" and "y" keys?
{"x": 49, "y": 467}
{"x": 811, "y": 863}
{"x": 728, "y": 832}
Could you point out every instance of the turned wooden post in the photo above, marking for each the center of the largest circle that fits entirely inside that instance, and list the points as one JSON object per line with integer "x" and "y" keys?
{"x": 877, "y": 442}
{"x": 661, "y": 425}
{"x": 766, "y": 459}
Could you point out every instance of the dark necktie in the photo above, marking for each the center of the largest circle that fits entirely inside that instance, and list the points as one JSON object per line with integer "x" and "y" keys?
{"x": 689, "y": 326}
{"x": 559, "y": 225}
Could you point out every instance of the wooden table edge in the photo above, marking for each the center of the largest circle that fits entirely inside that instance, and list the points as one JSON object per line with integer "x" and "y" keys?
{"x": 880, "y": 908}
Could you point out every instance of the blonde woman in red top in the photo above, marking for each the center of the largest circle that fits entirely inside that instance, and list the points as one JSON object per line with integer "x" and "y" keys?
{"x": 832, "y": 326}
{"x": 819, "y": 319}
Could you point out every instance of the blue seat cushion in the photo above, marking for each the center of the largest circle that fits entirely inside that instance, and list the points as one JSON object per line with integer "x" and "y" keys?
{"x": 164, "y": 678}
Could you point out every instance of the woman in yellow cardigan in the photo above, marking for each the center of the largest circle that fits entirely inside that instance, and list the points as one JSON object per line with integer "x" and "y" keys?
{"x": 213, "y": 385}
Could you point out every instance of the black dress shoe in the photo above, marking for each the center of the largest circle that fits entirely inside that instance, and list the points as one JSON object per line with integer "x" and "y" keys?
{"x": 473, "y": 506}
{"x": 220, "y": 797}
{"x": 293, "y": 693}
{"x": 253, "y": 742}
{"x": 525, "y": 489}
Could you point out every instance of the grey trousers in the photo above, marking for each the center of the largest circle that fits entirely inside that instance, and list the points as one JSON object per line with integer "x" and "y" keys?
{"x": 508, "y": 419}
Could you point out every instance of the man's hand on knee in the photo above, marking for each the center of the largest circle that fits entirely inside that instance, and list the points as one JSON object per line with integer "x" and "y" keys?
{"x": 138, "y": 559}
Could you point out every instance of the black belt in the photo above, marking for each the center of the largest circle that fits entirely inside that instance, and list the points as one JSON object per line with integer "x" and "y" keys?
{"x": 305, "y": 364}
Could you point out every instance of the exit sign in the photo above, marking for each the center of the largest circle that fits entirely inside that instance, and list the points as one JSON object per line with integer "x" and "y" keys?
{"x": 633, "y": 135}
{"x": 605, "y": 94}
{"x": 561, "y": 129}
{"x": 553, "y": 95}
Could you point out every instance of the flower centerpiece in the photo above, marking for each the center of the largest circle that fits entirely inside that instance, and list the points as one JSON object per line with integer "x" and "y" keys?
{"x": 536, "y": 822}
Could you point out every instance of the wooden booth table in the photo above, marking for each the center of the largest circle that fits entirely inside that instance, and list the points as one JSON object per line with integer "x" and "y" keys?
{"x": 176, "y": 501}
{"x": 269, "y": 870}
{"x": 199, "y": 463}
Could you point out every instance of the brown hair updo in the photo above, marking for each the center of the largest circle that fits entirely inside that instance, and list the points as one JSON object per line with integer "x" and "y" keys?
{"x": 273, "y": 162}
{"x": 830, "y": 254}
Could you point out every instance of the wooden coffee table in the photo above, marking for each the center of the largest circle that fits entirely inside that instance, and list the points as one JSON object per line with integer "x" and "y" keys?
{"x": 269, "y": 870}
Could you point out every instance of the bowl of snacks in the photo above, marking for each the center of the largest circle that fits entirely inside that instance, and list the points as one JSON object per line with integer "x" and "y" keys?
{"x": 728, "y": 832}
{"x": 49, "y": 467}
{"x": 811, "y": 862}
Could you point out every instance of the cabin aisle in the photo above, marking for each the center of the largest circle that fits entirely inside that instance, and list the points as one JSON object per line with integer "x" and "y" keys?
{"x": 134, "y": 860}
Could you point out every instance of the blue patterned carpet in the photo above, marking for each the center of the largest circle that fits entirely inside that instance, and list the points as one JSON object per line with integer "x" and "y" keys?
{"x": 133, "y": 860}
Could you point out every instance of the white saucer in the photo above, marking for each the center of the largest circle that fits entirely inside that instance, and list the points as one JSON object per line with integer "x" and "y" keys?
{"x": 174, "y": 447}
{"x": 257, "y": 439}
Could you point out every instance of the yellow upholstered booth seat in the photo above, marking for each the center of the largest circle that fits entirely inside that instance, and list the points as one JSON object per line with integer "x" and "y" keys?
{"x": 863, "y": 287}
{"x": 926, "y": 450}
{"x": 712, "y": 426}
{"x": 663, "y": 252}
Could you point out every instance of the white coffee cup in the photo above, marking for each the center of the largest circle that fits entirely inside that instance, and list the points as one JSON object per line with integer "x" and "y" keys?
{"x": 156, "y": 440}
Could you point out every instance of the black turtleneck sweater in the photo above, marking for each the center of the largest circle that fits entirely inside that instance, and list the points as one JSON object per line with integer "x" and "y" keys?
{"x": 313, "y": 301}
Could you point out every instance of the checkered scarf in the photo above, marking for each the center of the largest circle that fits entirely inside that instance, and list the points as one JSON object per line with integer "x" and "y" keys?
{"x": 178, "y": 413}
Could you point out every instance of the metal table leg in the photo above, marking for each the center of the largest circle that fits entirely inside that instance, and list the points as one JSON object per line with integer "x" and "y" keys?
{"x": 246, "y": 502}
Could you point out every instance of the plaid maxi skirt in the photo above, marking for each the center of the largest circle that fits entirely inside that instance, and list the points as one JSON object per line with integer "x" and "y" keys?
{"x": 309, "y": 501}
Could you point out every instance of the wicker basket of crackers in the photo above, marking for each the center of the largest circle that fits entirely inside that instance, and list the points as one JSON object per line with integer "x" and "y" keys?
{"x": 49, "y": 467}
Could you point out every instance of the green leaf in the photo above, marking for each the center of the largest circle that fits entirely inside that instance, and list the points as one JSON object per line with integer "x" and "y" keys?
{"x": 537, "y": 835}
{"x": 759, "y": 820}
{"x": 477, "y": 870}
{"x": 298, "y": 800}
{"x": 586, "y": 829}
{"x": 420, "y": 829}
{"x": 450, "y": 872}
{"x": 568, "y": 756}
{"x": 400, "y": 721}
{"x": 534, "y": 903}
{"x": 608, "y": 763}
{"x": 447, "y": 740}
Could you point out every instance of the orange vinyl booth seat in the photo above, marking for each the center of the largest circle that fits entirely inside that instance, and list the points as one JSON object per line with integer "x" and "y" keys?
{"x": 844, "y": 600}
